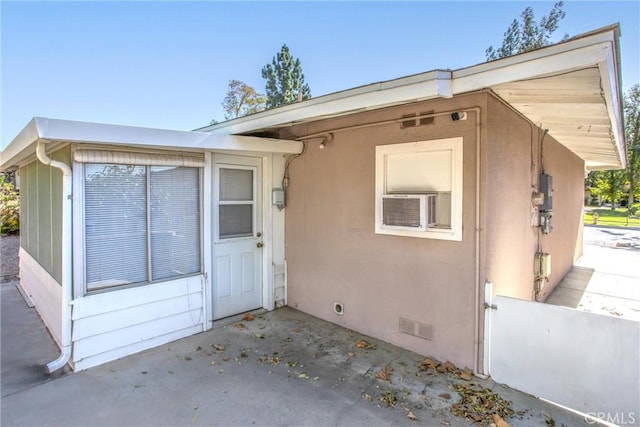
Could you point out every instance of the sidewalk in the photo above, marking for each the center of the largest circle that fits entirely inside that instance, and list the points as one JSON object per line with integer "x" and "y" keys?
{"x": 606, "y": 279}
{"x": 281, "y": 368}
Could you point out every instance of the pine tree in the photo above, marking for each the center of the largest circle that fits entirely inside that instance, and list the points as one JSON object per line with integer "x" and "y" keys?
{"x": 285, "y": 80}
{"x": 528, "y": 34}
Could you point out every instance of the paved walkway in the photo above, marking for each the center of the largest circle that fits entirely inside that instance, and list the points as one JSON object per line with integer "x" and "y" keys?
{"x": 606, "y": 279}
{"x": 282, "y": 368}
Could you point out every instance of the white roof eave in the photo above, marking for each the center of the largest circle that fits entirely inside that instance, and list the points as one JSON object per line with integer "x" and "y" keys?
{"x": 55, "y": 130}
{"x": 419, "y": 87}
{"x": 596, "y": 49}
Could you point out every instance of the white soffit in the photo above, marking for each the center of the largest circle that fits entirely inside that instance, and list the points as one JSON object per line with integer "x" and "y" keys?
{"x": 573, "y": 108}
{"x": 572, "y": 89}
{"x": 55, "y": 131}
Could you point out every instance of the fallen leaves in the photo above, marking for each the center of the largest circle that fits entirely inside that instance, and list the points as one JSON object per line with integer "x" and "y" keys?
{"x": 427, "y": 364}
{"x": 389, "y": 398}
{"x": 445, "y": 368}
{"x": 499, "y": 422}
{"x": 480, "y": 405}
{"x": 218, "y": 348}
{"x": 365, "y": 345}
{"x": 240, "y": 326}
{"x": 248, "y": 317}
{"x": 384, "y": 374}
{"x": 272, "y": 360}
{"x": 411, "y": 416}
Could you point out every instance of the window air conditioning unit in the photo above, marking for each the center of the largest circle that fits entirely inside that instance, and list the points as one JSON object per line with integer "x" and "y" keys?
{"x": 415, "y": 212}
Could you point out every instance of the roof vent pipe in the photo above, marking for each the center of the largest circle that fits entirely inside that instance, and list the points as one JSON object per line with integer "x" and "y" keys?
{"x": 66, "y": 256}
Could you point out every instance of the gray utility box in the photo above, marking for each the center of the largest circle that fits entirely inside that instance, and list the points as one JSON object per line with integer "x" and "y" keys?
{"x": 546, "y": 187}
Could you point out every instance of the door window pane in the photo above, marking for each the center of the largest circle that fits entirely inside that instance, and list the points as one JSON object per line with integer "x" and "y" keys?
{"x": 115, "y": 225}
{"x": 235, "y": 221}
{"x": 236, "y": 185}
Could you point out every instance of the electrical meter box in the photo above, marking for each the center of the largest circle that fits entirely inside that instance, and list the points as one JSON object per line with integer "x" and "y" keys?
{"x": 546, "y": 188}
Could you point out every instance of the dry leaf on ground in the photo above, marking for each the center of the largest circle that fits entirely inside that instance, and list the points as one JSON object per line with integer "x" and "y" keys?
{"x": 249, "y": 317}
{"x": 499, "y": 422}
{"x": 412, "y": 416}
{"x": 427, "y": 364}
{"x": 384, "y": 374}
{"x": 239, "y": 325}
{"x": 480, "y": 404}
{"x": 366, "y": 345}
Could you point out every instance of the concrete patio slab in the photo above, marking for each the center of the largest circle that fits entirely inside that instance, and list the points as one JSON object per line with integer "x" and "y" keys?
{"x": 281, "y": 368}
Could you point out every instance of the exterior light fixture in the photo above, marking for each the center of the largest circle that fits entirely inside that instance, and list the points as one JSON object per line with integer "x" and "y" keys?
{"x": 327, "y": 139}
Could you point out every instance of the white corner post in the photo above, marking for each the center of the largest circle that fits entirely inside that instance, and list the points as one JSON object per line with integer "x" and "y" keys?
{"x": 67, "y": 255}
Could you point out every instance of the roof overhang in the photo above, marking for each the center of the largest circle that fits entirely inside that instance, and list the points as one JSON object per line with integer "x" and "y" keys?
{"x": 419, "y": 87}
{"x": 571, "y": 88}
{"x": 56, "y": 131}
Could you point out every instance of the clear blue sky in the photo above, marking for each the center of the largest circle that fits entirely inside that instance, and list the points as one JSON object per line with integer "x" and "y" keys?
{"x": 167, "y": 64}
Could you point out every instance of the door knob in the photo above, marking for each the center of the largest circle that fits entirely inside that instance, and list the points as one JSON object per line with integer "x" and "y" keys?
{"x": 259, "y": 244}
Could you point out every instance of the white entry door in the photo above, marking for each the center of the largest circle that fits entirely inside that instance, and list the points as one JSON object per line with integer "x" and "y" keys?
{"x": 237, "y": 239}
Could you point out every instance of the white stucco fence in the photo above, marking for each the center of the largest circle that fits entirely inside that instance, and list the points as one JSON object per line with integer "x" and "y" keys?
{"x": 585, "y": 361}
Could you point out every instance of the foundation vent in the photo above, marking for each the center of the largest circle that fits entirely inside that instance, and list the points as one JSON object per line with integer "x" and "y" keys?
{"x": 415, "y": 328}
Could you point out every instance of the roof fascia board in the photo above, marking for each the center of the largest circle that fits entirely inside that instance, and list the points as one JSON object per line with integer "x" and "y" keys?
{"x": 251, "y": 143}
{"x": 98, "y": 133}
{"x": 611, "y": 90}
{"x": 14, "y": 150}
{"x": 607, "y": 35}
{"x": 434, "y": 84}
{"x": 525, "y": 68}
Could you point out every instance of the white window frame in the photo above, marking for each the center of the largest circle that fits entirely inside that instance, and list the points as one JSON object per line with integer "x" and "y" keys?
{"x": 79, "y": 272}
{"x": 454, "y": 145}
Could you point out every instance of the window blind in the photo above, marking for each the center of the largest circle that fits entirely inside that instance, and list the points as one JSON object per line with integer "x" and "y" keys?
{"x": 142, "y": 223}
{"x": 175, "y": 221}
{"x": 115, "y": 225}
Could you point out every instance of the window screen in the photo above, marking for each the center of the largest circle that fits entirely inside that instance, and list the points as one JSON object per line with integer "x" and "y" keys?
{"x": 236, "y": 221}
{"x": 235, "y": 209}
{"x": 236, "y": 185}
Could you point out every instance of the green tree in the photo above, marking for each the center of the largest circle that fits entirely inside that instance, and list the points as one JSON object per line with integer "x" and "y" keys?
{"x": 632, "y": 136}
{"x": 285, "y": 80}
{"x": 241, "y": 100}
{"x": 9, "y": 207}
{"x": 609, "y": 184}
{"x": 527, "y": 34}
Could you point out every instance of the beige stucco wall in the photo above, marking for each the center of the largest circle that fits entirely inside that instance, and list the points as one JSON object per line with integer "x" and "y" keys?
{"x": 513, "y": 152}
{"x": 333, "y": 253}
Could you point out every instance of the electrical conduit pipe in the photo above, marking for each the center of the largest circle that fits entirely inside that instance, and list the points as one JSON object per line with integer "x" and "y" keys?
{"x": 67, "y": 254}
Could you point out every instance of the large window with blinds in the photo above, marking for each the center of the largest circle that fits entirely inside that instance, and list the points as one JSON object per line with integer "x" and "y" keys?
{"x": 142, "y": 224}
